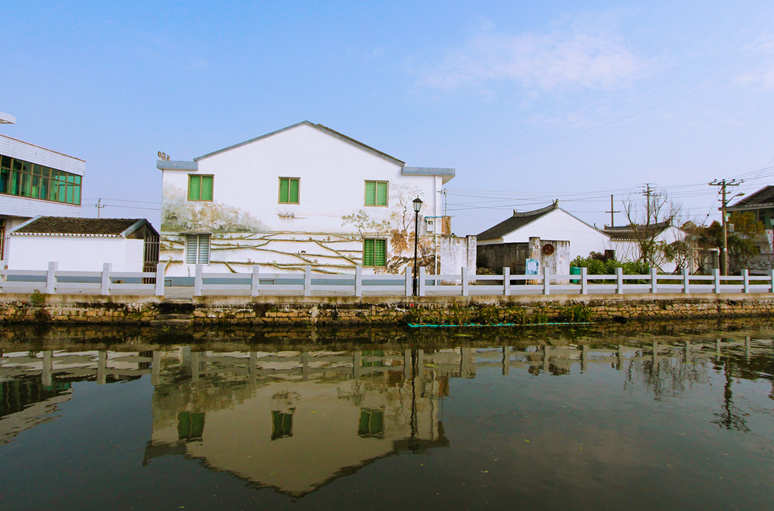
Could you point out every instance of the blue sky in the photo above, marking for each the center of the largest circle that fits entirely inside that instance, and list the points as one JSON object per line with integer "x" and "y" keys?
{"x": 528, "y": 101}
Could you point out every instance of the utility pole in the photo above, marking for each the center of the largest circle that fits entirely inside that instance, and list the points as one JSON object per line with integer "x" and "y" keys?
{"x": 612, "y": 212}
{"x": 646, "y": 193}
{"x": 99, "y": 207}
{"x": 724, "y": 184}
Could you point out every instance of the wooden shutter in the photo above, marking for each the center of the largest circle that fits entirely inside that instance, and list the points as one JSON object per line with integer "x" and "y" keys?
{"x": 380, "y": 252}
{"x": 293, "y": 193}
{"x": 191, "y": 248}
{"x": 206, "y": 188}
{"x": 381, "y": 195}
{"x": 204, "y": 249}
{"x": 194, "y": 187}
{"x": 368, "y": 252}
{"x": 283, "y": 198}
{"x": 370, "y": 193}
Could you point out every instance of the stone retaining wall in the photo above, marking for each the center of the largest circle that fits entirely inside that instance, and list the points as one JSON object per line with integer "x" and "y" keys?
{"x": 211, "y": 310}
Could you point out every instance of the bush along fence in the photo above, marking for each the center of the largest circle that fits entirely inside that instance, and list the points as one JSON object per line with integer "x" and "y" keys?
{"x": 257, "y": 283}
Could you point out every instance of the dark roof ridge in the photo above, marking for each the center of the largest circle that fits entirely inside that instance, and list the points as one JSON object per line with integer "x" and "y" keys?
{"x": 540, "y": 211}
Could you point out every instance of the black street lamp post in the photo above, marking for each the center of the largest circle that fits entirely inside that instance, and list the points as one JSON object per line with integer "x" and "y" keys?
{"x": 417, "y": 207}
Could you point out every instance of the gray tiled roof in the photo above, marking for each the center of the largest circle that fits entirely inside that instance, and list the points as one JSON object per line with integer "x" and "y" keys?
{"x": 516, "y": 221}
{"x": 78, "y": 226}
{"x": 628, "y": 232}
{"x": 763, "y": 198}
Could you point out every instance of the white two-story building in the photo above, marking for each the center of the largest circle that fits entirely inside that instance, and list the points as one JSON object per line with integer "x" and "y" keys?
{"x": 303, "y": 195}
{"x": 34, "y": 181}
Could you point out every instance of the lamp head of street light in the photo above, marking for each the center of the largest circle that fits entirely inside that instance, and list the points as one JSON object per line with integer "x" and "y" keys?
{"x": 417, "y": 205}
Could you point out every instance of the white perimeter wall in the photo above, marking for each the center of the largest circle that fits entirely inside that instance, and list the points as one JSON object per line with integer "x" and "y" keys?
{"x": 560, "y": 225}
{"x": 332, "y": 180}
{"x": 75, "y": 254}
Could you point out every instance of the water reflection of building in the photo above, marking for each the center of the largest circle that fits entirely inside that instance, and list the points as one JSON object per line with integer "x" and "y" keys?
{"x": 294, "y": 420}
{"x": 33, "y": 384}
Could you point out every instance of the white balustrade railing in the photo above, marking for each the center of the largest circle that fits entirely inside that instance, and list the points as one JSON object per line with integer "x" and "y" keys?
{"x": 308, "y": 283}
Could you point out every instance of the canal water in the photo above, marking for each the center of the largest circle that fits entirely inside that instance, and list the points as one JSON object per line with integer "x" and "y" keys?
{"x": 452, "y": 420}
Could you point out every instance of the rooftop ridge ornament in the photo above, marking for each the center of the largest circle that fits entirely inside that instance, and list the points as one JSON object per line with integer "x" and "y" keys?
{"x": 163, "y": 156}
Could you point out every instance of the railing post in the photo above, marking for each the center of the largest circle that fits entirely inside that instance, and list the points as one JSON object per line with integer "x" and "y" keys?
{"x": 51, "y": 278}
{"x": 546, "y": 282}
{"x": 584, "y": 280}
{"x": 256, "y": 280}
{"x": 746, "y": 280}
{"x": 358, "y": 281}
{"x": 105, "y": 289}
{"x": 198, "y": 280}
{"x": 160, "y": 279}
{"x": 465, "y": 290}
{"x": 716, "y": 274}
{"x": 507, "y": 281}
{"x": 409, "y": 281}
{"x": 686, "y": 281}
{"x": 308, "y": 280}
{"x": 771, "y": 280}
{"x": 653, "y": 280}
{"x": 422, "y": 281}
{"x": 619, "y": 289}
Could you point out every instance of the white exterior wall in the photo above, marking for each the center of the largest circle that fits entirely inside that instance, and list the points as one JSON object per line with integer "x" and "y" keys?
{"x": 42, "y": 156}
{"x": 559, "y": 225}
{"x": 332, "y": 175}
{"x": 626, "y": 250}
{"x": 75, "y": 253}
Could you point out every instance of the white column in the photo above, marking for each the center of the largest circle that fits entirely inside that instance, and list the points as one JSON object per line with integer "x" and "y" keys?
{"x": 716, "y": 274}
{"x": 619, "y": 289}
{"x": 465, "y": 290}
{"x": 584, "y": 280}
{"x": 358, "y": 281}
{"x": 422, "y": 281}
{"x": 546, "y": 282}
{"x": 198, "y": 281}
{"x": 160, "y": 279}
{"x": 507, "y": 281}
{"x": 51, "y": 278}
{"x": 771, "y": 280}
{"x": 746, "y": 277}
{"x": 653, "y": 280}
{"x": 686, "y": 281}
{"x": 106, "y": 268}
{"x": 409, "y": 282}
{"x": 308, "y": 280}
{"x": 256, "y": 280}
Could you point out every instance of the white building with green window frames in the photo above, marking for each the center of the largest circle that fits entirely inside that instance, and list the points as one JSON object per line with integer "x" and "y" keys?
{"x": 302, "y": 195}
{"x": 34, "y": 181}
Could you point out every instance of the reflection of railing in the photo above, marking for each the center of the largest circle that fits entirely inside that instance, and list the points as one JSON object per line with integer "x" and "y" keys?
{"x": 458, "y": 362}
{"x": 359, "y": 284}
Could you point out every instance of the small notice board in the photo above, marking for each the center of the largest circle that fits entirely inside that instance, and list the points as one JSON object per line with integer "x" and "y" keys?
{"x": 533, "y": 266}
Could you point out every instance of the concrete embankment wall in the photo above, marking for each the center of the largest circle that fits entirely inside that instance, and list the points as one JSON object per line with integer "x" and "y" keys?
{"x": 15, "y": 308}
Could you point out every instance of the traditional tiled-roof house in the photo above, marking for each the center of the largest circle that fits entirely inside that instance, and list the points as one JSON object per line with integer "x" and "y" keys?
{"x": 302, "y": 195}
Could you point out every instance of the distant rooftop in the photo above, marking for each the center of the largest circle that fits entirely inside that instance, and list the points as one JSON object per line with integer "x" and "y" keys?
{"x": 70, "y": 226}
{"x": 763, "y": 198}
{"x": 633, "y": 232}
{"x": 517, "y": 221}
{"x": 7, "y": 118}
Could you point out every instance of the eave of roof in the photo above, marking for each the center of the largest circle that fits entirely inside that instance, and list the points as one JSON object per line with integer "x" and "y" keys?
{"x": 80, "y": 227}
{"x": 176, "y": 165}
{"x": 320, "y": 127}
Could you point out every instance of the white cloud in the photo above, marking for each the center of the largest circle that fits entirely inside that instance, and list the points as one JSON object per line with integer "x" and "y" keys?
{"x": 575, "y": 56}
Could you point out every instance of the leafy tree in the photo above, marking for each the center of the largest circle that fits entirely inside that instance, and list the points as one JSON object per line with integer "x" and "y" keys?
{"x": 741, "y": 243}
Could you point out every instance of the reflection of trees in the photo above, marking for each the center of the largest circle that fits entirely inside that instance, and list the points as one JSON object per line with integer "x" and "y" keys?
{"x": 731, "y": 417}
{"x": 666, "y": 378}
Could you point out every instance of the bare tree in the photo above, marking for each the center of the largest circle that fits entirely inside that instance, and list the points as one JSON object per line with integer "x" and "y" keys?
{"x": 647, "y": 220}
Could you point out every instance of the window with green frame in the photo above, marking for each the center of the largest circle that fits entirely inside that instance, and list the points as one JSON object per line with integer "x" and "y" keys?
{"x": 288, "y": 190}
{"x": 375, "y": 253}
{"x": 18, "y": 177}
{"x": 371, "y": 422}
{"x": 281, "y": 424}
{"x": 199, "y": 187}
{"x": 376, "y": 193}
{"x": 190, "y": 426}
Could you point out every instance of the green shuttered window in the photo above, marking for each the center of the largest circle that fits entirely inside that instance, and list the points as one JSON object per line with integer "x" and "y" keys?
{"x": 288, "y": 193}
{"x": 375, "y": 253}
{"x": 199, "y": 187}
{"x": 376, "y": 193}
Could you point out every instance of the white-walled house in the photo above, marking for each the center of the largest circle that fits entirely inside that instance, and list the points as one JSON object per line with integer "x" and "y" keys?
{"x": 549, "y": 223}
{"x": 624, "y": 240}
{"x": 34, "y": 181}
{"x": 85, "y": 244}
{"x": 302, "y": 195}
